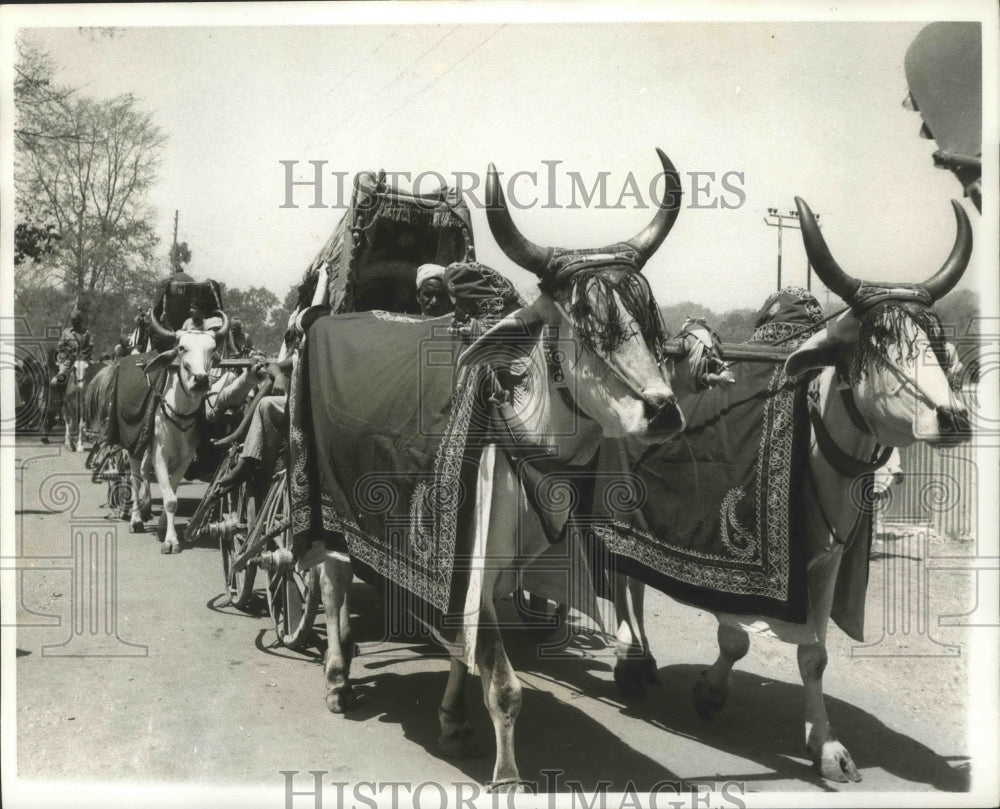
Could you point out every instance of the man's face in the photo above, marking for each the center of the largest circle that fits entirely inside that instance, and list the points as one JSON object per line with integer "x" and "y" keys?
{"x": 76, "y": 321}
{"x": 196, "y": 311}
{"x": 433, "y": 298}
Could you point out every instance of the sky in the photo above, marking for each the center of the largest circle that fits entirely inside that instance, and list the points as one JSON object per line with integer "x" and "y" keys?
{"x": 780, "y": 109}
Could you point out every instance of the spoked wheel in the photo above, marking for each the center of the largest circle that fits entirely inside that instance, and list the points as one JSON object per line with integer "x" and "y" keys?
{"x": 115, "y": 471}
{"x": 237, "y": 510}
{"x": 97, "y": 454}
{"x": 292, "y": 598}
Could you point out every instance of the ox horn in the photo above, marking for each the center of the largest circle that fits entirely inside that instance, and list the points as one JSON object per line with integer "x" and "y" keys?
{"x": 158, "y": 329}
{"x": 651, "y": 237}
{"x": 518, "y": 249}
{"x": 837, "y": 281}
{"x": 942, "y": 282}
{"x": 223, "y": 331}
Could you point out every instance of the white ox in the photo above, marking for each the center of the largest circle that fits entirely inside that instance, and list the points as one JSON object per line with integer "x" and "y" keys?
{"x": 614, "y": 387}
{"x": 174, "y": 440}
{"x": 885, "y": 380}
{"x": 73, "y": 410}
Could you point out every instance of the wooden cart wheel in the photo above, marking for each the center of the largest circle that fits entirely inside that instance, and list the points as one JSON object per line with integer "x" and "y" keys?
{"x": 95, "y": 456}
{"x": 117, "y": 473}
{"x": 292, "y": 598}
{"x": 238, "y": 508}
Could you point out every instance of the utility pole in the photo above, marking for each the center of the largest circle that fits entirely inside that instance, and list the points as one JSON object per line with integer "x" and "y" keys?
{"x": 779, "y": 223}
{"x": 175, "y": 262}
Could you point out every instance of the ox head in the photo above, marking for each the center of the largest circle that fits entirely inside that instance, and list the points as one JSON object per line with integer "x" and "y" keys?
{"x": 196, "y": 352}
{"x": 889, "y": 346}
{"x": 598, "y": 300}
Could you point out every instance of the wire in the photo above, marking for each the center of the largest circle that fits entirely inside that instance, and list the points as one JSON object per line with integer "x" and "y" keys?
{"x": 427, "y": 86}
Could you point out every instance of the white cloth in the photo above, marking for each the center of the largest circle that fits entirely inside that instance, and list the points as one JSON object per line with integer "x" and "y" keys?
{"x": 427, "y": 271}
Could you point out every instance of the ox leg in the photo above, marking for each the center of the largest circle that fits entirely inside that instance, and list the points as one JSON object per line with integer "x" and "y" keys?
{"x": 136, "y": 525}
{"x": 829, "y": 756}
{"x": 502, "y": 693}
{"x": 635, "y": 667}
{"x": 712, "y": 689}
{"x": 168, "y": 492}
{"x": 80, "y": 431}
{"x": 335, "y": 581}
{"x": 457, "y": 739}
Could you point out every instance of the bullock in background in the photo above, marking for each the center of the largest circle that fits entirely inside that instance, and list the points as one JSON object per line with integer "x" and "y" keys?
{"x": 164, "y": 445}
{"x": 605, "y": 376}
{"x": 879, "y": 376}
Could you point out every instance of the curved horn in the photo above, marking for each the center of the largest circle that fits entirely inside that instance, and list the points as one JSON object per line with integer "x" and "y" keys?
{"x": 651, "y": 237}
{"x": 517, "y": 248}
{"x": 837, "y": 281}
{"x": 158, "y": 329}
{"x": 942, "y": 282}
{"x": 223, "y": 331}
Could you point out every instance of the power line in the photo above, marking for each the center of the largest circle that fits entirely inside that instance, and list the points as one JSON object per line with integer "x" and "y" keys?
{"x": 427, "y": 86}
{"x": 398, "y": 76}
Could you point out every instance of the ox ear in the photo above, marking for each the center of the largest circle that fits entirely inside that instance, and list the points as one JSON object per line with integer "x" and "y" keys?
{"x": 161, "y": 361}
{"x": 825, "y": 347}
{"x": 514, "y": 335}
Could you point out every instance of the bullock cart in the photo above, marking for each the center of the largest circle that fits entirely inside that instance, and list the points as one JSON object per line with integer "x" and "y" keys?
{"x": 368, "y": 264}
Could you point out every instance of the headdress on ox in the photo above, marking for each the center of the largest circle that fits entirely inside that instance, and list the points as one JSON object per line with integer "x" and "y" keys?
{"x": 877, "y": 308}
{"x": 166, "y": 357}
{"x": 593, "y": 280}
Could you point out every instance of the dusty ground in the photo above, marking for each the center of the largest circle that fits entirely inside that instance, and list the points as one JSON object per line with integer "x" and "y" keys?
{"x": 185, "y": 690}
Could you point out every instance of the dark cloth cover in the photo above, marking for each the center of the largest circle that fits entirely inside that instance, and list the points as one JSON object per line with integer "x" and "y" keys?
{"x": 713, "y": 516}
{"x": 384, "y": 453}
{"x": 133, "y": 402}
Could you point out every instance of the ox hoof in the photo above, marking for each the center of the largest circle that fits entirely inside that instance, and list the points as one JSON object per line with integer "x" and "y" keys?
{"x": 507, "y": 785}
{"x": 137, "y": 527}
{"x": 632, "y": 675}
{"x": 170, "y": 547}
{"x": 460, "y": 743}
{"x": 457, "y": 739}
{"x": 834, "y": 763}
{"x": 708, "y": 701}
{"x": 341, "y": 700}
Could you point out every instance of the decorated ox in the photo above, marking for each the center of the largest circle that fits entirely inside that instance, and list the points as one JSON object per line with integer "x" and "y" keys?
{"x": 585, "y": 360}
{"x": 174, "y": 439}
{"x": 879, "y": 376}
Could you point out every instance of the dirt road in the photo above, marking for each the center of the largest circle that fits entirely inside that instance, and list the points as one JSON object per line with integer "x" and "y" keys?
{"x": 185, "y": 690}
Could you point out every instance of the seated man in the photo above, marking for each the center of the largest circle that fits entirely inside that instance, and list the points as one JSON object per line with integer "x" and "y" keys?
{"x": 200, "y": 312}
{"x": 267, "y": 426}
{"x": 240, "y": 340}
{"x": 431, "y": 293}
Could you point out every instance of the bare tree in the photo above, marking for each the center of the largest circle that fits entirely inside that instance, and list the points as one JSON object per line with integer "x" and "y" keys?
{"x": 85, "y": 166}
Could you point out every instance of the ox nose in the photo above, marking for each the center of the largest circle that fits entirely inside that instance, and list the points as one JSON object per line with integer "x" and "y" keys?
{"x": 953, "y": 421}
{"x": 199, "y": 382}
{"x": 663, "y": 413}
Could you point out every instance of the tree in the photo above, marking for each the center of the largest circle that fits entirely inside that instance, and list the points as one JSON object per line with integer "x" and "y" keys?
{"x": 262, "y": 315}
{"x": 675, "y": 314}
{"x": 736, "y": 325}
{"x": 180, "y": 256}
{"x": 85, "y": 166}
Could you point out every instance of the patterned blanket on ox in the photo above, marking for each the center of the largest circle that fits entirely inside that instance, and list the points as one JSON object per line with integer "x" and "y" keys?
{"x": 133, "y": 402}
{"x": 712, "y": 517}
{"x": 384, "y": 453}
